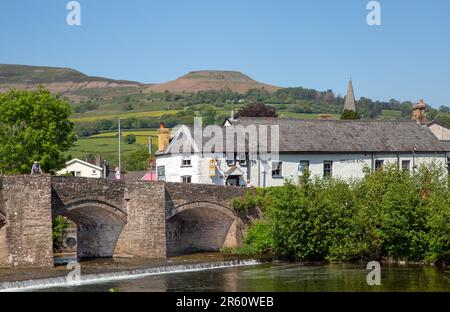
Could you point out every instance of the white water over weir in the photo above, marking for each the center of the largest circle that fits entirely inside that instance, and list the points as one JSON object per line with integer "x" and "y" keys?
{"x": 122, "y": 275}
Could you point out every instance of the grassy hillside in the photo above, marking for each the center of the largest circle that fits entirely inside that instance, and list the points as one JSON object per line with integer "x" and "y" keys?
{"x": 212, "y": 80}
{"x": 24, "y": 74}
{"x": 107, "y": 145}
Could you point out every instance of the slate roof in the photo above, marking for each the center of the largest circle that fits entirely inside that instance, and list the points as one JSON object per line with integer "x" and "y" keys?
{"x": 347, "y": 136}
{"x": 336, "y": 136}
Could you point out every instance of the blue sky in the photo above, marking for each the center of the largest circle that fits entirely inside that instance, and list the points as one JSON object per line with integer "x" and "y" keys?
{"x": 315, "y": 43}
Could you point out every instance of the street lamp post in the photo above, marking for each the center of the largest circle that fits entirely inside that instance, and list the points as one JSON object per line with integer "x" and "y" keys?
{"x": 120, "y": 150}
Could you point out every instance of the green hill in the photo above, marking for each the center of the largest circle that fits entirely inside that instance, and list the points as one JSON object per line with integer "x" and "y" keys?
{"x": 24, "y": 74}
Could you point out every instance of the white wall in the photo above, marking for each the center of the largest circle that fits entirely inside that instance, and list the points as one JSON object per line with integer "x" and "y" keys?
{"x": 86, "y": 171}
{"x": 199, "y": 169}
{"x": 345, "y": 166}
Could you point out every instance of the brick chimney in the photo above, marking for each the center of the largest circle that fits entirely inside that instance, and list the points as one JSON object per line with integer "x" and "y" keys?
{"x": 163, "y": 137}
{"x": 418, "y": 113}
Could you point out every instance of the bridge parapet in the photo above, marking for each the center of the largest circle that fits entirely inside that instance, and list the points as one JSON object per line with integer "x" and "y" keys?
{"x": 69, "y": 190}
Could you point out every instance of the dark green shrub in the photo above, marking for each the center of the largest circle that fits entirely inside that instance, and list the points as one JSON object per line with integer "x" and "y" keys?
{"x": 388, "y": 214}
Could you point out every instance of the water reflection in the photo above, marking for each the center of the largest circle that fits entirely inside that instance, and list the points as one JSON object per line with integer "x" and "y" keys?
{"x": 283, "y": 277}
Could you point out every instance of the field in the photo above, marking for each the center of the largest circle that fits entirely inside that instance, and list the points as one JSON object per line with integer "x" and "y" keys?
{"x": 106, "y": 144}
{"x": 92, "y": 118}
{"x": 141, "y": 135}
{"x": 391, "y": 114}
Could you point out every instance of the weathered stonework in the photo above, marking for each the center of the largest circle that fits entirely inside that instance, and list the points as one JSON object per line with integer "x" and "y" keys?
{"x": 199, "y": 217}
{"x": 26, "y": 238}
{"x": 113, "y": 218}
{"x": 144, "y": 233}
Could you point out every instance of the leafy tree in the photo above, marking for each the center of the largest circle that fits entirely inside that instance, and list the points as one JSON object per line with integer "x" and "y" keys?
{"x": 130, "y": 139}
{"x": 257, "y": 110}
{"x": 136, "y": 161}
{"x": 349, "y": 115}
{"x": 34, "y": 126}
{"x": 389, "y": 214}
{"x": 444, "y": 109}
{"x": 60, "y": 225}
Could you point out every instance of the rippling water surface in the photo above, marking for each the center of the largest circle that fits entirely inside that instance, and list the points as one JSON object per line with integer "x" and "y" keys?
{"x": 212, "y": 272}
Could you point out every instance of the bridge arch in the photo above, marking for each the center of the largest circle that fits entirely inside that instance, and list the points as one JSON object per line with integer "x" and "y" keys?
{"x": 198, "y": 226}
{"x": 99, "y": 225}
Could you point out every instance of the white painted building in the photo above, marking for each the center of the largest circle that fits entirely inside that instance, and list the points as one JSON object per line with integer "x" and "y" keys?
{"x": 340, "y": 149}
{"x": 80, "y": 168}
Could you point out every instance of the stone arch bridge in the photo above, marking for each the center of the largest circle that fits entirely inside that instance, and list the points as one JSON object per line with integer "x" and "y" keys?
{"x": 113, "y": 218}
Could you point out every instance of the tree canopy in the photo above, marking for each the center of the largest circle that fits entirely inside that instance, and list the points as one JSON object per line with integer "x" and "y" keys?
{"x": 257, "y": 110}
{"x": 34, "y": 126}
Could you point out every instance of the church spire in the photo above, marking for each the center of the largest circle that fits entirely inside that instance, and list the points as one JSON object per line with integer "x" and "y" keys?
{"x": 350, "y": 98}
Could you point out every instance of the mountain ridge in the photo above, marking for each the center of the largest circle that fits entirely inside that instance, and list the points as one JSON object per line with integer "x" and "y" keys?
{"x": 212, "y": 80}
{"x": 68, "y": 81}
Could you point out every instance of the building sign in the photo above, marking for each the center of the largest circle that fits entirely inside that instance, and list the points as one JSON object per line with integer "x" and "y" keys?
{"x": 212, "y": 167}
{"x": 351, "y": 161}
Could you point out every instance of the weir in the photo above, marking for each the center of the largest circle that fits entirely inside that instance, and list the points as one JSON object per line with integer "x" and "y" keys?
{"x": 113, "y": 218}
{"x": 124, "y": 275}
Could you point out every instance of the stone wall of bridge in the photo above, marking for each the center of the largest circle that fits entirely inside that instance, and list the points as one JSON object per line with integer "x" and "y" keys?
{"x": 113, "y": 218}
{"x": 26, "y": 235}
{"x": 200, "y": 218}
{"x": 144, "y": 233}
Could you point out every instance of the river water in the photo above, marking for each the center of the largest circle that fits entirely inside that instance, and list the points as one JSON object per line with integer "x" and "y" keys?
{"x": 213, "y": 274}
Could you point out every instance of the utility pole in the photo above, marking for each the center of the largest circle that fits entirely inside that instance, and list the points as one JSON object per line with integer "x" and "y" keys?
{"x": 150, "y": 158}
{"x": 120, "y": 150}
{"x": 149, "y": 145}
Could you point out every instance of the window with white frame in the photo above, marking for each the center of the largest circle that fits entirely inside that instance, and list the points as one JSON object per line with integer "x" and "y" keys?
{"x": 161, "y": 171}
{"x": 379, "y": 164}
{"x": 277, "y": 169}
{"x": 327, "y": 169}
{"x": 186, "y": 161}
{"x": 186, "y": 179}
{"x": 406, "y": 165}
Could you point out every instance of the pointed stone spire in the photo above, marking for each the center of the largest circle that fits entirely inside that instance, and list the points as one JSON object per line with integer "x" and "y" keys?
{"x": 350, "y": 98}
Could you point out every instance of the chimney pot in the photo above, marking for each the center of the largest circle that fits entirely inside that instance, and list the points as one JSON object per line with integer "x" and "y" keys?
{"x": 418, "y": 113}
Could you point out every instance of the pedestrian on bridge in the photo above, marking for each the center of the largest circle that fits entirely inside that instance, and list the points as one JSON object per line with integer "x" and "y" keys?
{"x": 36, "y": 168}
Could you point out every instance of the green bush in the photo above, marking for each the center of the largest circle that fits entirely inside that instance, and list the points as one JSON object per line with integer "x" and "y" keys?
{"x": 60, "y": 225}
{"x": 259, "y": 238}
{"x": 388, "y": 214}
{"x": 130, "y": 139}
